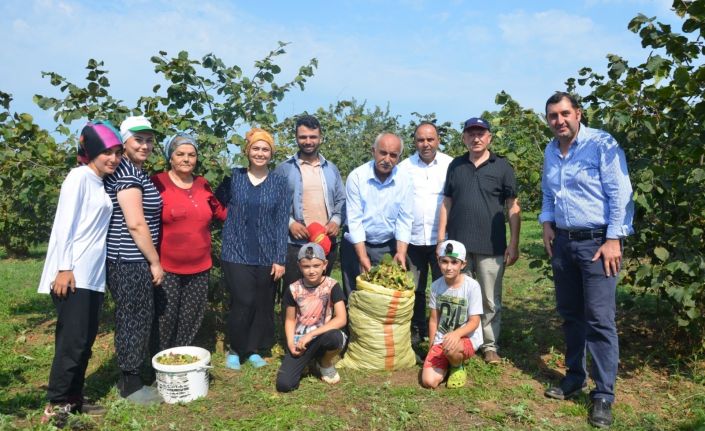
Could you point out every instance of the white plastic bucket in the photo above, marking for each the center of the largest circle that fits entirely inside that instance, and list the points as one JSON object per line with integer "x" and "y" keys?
{"x": 183, "y": 383}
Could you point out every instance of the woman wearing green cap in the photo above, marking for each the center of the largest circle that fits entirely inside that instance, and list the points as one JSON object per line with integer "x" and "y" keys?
{"x": 185, "y": 246}
{"x": 133, "y": 263}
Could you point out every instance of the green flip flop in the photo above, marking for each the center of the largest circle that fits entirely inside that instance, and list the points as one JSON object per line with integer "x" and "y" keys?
{"x": 456, "y": 378}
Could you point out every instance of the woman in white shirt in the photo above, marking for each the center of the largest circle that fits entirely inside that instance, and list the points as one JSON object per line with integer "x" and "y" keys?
{"x": 74, "y": 270}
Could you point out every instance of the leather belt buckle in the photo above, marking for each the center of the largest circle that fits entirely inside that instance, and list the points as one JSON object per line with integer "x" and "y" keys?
{"x": 581, "y": 235}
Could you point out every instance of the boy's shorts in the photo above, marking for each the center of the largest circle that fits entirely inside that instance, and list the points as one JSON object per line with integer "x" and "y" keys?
{"x": 437, "y": 359}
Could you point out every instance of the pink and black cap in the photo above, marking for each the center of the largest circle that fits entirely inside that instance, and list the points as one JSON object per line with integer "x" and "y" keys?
{"x": 96, "y": 137}
{"x": 477, "y": 122}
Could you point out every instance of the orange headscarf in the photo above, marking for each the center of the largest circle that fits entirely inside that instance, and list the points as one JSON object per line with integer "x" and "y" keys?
{"x": 257, "y": 134}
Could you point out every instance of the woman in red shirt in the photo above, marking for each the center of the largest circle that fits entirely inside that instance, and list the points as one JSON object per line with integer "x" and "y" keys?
{"x": 185, "y": 247}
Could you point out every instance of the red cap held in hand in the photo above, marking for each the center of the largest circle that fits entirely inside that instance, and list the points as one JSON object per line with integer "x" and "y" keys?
{"x": 317, "y": 234}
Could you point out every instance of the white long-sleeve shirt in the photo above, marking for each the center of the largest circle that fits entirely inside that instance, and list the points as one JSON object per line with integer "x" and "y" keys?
{"x": 429, "y": 180}
{"x": 77, "y": 241}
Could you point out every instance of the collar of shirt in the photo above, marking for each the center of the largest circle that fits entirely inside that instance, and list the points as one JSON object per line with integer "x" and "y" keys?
{"x": 372, "y": 177}
{"x": 584, "y": 136}
{"x": 416, "y": 159}
{"x": 298, "y": 160}
{"x": 491, "y": 159}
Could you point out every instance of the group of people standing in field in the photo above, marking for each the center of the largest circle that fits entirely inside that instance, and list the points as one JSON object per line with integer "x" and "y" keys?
{"x": 148, "y": 239}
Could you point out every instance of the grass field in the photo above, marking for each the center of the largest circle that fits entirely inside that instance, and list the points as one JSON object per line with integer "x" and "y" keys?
{"x": 659, "y": 387}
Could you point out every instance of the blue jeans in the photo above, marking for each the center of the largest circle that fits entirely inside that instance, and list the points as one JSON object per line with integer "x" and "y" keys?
{"x": 585, "y": 299}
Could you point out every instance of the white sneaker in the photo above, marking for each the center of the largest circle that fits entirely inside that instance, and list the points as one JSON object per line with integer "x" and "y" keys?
{"x": 328, "y": 374}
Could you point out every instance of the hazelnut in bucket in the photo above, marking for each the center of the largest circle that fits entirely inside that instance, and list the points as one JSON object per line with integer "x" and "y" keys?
{"x": 182, "y": 373}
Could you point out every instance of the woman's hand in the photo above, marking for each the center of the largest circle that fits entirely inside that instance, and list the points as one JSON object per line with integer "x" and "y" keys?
{"x": 277, "y": 271}
{"x": 63, "y": 282}
{"x": 157, "y": 273}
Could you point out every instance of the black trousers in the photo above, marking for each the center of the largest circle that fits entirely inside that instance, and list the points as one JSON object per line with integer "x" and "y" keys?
{"x": 421, "y": 258}
{"x": 250, "y": 322}
{"x": 289, "y": 374}
{"x": 350, "y": 264}
{"x": 76, "y": 329}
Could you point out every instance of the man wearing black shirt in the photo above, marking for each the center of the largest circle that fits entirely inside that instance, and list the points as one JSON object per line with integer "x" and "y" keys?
{"x": 479, "y": 186}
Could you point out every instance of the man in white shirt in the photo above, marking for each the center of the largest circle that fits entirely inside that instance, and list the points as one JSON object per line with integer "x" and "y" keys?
{"x": 427, "y": 167}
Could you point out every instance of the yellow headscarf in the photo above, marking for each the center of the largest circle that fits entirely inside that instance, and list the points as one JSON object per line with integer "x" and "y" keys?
{"x": 257, "y": 134}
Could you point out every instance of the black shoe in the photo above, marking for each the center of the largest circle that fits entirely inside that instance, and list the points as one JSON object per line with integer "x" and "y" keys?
{"x": 601, "y": 413}
{"x": 564, "y": 392}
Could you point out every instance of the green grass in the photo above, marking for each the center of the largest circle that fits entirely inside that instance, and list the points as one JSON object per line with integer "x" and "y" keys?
{"x": 656, "y": 389}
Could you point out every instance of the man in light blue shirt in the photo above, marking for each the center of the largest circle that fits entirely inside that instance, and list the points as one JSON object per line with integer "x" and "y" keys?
{"x": 586, "y": 212}
{"x": 379, "y": 206}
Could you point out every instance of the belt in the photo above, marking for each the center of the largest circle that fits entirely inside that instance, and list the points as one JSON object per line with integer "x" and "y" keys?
{"x": 386, "y": 243}
{"x": 583, "y": 234}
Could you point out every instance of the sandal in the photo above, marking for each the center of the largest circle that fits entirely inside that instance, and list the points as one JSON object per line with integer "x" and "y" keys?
{"x": 57, "y": 414}
{"x": 456, "y": 378}
{"x": 256, "y": 361}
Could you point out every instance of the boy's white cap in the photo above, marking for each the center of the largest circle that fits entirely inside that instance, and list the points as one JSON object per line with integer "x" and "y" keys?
{"x": 453, "y": 249}
{"x": 311, "y": 250}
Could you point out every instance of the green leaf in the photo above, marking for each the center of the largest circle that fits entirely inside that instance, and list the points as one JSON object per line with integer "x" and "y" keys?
{"x": 645, "y": 187}
{"x": 501, "y": 98}
{"x": 617, "y": 68}
{"x": 661, "y": 253}
{"x": 658, "y": 66}
{"x": 681, "y": 76}
{"x": 636, "y": 22}
{"x": 697, "y": 175}
{"x": 690, "y": 25}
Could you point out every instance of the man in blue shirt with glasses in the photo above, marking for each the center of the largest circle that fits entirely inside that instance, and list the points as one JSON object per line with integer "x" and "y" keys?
{"x": 586, "y": 212}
